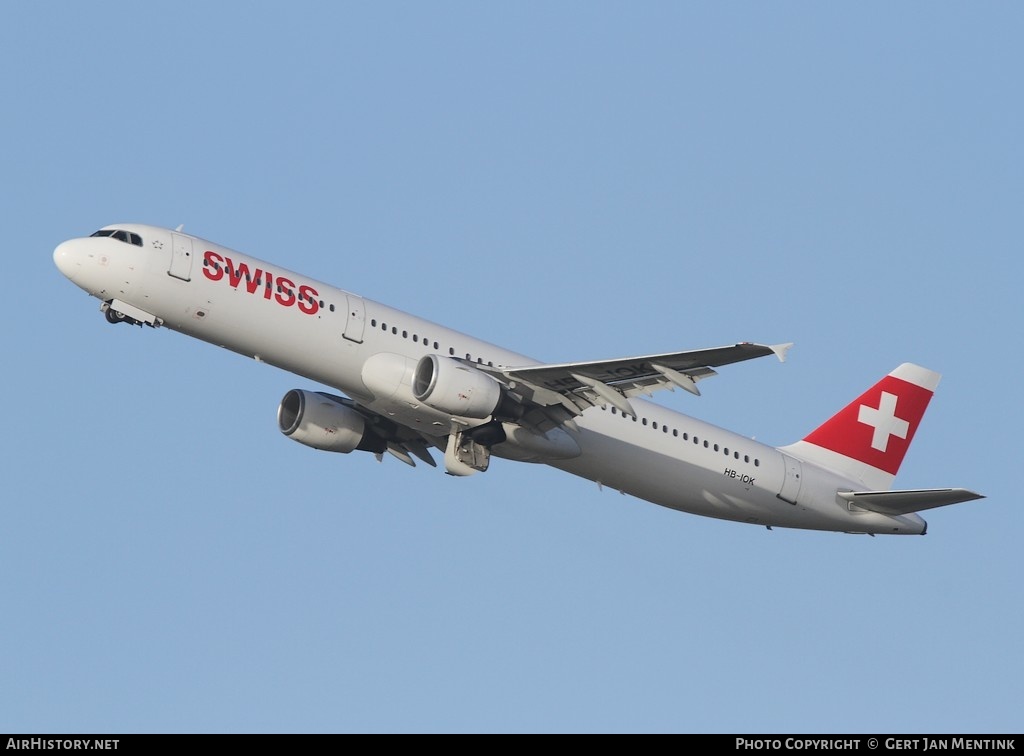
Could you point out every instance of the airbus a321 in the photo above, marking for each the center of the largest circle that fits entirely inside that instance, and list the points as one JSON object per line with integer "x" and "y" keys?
{"x": 406, "y": 386}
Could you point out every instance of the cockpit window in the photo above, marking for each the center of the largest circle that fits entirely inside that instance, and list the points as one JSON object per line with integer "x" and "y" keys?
{"x": 126, "y": 236}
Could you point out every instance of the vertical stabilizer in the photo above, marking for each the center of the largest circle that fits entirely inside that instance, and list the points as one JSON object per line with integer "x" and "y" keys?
{"x": 867, "y": 439}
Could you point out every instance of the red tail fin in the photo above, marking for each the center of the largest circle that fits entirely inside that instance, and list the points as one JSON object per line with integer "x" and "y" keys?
{"x": 870, "y": 436}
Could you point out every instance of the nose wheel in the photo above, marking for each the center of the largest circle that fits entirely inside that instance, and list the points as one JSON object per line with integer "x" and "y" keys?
{"x": 113, "y": 316}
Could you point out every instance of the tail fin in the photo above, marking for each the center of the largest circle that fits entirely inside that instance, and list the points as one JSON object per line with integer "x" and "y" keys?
{"x": 867, "y": 440}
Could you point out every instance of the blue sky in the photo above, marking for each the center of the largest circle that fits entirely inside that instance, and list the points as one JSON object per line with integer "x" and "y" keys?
{"x": 571, "y": 180}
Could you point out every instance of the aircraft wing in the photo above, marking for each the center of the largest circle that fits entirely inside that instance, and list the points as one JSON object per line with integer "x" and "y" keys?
{"x": 578, "y": 385}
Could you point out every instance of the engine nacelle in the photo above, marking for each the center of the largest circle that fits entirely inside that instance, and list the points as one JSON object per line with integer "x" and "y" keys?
{"x": 317, "y": 420}
{"x": 450, "y": 386}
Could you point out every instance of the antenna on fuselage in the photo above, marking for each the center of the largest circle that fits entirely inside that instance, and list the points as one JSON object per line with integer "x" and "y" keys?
{"x": 180, "y": 226}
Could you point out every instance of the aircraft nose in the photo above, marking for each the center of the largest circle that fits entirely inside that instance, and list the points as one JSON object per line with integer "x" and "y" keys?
{"x": 63, "y": 258}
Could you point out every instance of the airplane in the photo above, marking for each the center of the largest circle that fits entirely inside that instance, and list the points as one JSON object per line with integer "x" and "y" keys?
{"x": 408, "y": 385}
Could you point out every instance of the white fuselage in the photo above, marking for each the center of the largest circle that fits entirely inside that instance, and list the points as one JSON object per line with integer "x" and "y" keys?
{"x": 337, "y": 338}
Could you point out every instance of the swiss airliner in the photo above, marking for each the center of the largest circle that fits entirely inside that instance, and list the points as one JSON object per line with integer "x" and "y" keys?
{"x": 405, "y": 386}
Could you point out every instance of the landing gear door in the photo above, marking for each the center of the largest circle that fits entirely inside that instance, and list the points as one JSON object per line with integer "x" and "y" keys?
{"x": 181, "y": 257}
{"x": 791, "y": 485}
{"x": 355, "y": 322}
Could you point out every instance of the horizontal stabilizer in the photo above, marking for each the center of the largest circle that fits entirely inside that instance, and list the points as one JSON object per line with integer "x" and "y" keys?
{"x": 905, "y": 502}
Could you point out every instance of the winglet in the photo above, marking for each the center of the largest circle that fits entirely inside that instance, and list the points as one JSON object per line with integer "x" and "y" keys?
{"x": 781, "y": 350}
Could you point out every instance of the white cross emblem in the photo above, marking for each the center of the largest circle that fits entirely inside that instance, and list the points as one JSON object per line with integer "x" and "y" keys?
{"x": 884, "y": 421}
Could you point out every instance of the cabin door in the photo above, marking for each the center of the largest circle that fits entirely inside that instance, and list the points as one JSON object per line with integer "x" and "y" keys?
{"x": 181, "y": 257}
{"x": 355, "y": 320}
{"x": 791, "y": 484}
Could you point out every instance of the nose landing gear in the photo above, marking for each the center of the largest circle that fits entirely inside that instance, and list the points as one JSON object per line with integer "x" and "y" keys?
{"x": 113, "y": 316}
{"x": 116, "y": 311}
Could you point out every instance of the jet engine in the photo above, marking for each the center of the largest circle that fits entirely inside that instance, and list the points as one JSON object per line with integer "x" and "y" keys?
{"x": 450, "y": 386}
{"x": 317, "y": 420}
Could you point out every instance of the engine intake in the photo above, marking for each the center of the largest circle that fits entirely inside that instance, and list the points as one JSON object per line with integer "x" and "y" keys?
{"x": 450, "y": 386}
{"x": 317, "y": 420}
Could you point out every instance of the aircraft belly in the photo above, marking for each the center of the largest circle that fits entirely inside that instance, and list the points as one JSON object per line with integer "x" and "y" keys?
{"x": 660, "y": 478}
{"x": 679, "y": 483}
